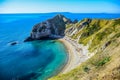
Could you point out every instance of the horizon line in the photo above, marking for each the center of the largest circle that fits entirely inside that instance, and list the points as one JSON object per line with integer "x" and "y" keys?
{"x": 62, "y": 12}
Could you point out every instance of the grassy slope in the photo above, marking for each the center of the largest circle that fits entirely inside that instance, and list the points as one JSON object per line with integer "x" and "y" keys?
{"x": 102, "y": 36}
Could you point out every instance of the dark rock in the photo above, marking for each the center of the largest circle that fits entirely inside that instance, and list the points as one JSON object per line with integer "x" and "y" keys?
{"x": 106, "y": 44}
{"x": 13, "y": 43}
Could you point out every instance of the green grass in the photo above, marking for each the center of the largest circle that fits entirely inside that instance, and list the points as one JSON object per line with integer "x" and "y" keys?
{"x": 104, "y": 65}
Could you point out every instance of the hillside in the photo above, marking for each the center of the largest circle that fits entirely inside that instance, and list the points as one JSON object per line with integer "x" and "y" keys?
{"x": 102, "y": 37}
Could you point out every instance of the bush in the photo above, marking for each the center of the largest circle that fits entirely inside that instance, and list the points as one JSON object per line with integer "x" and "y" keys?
{"x": 103, "y": 61}
{"x": 86, "y": 69}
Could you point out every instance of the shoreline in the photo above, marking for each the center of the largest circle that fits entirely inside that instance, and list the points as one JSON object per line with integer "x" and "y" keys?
{"x": 69, "y": 56}
{"x": 75, "y": 56}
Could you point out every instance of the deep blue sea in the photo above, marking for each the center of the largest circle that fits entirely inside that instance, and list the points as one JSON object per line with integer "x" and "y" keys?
{"x": 36, "y": 60}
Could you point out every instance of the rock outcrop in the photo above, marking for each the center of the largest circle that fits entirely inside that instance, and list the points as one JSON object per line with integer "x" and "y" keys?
{"x": 13, "y": 43}
{"x": 51, "y": 28}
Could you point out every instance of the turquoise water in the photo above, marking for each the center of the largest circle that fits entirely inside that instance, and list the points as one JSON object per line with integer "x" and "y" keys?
{"x": 32, "y": 60}
{"x": 37, "y": 59}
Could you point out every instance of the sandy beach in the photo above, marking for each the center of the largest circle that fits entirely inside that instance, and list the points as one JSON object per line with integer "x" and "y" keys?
{"x": 76, "y": 54}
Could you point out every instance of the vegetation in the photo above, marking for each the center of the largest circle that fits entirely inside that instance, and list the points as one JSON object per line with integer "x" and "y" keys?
{"x": 103, "y": 38}
{"x": 86, "y": 69}
{"x": 103, "y": 61}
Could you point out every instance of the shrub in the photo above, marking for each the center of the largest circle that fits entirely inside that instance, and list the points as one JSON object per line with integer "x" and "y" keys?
{"x": 86, "y": 69}
{"x": 103, "y": 61}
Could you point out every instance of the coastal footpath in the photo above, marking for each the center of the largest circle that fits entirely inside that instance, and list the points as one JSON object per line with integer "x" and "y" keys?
{"x": 93, "y": 46}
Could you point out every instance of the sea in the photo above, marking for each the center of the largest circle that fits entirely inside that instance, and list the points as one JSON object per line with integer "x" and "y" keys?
{"x": 35, "y": 60}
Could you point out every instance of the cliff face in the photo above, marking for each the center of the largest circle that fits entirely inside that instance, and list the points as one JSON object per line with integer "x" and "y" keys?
{"x": 102, "y": 37}
{"x": 53, "y": 28}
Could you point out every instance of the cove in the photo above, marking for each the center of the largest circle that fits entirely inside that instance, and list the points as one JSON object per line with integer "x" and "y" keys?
{"x": 32, "y": 60}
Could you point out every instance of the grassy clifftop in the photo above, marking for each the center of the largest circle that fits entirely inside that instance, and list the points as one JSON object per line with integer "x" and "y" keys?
{"x": 103, "y": 38}
{"x": 95, "y": 32}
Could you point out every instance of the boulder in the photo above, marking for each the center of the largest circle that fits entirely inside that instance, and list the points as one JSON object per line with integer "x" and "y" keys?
{"x": 13, "y": 43}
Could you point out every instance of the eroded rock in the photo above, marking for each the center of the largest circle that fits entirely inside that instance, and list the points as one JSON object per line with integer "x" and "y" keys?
{"x": 51, "y": 28}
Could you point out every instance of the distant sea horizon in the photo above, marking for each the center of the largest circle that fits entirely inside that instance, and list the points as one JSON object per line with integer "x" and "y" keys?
{"x": 61, "y": 12}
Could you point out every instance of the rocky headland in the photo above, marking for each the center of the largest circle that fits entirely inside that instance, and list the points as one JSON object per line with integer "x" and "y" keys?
{"x": 93, "y": 46}
{"x": 51, "y": 28}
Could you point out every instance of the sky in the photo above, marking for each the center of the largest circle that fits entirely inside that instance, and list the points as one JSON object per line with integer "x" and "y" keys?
{"x": 46, "y": 6}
